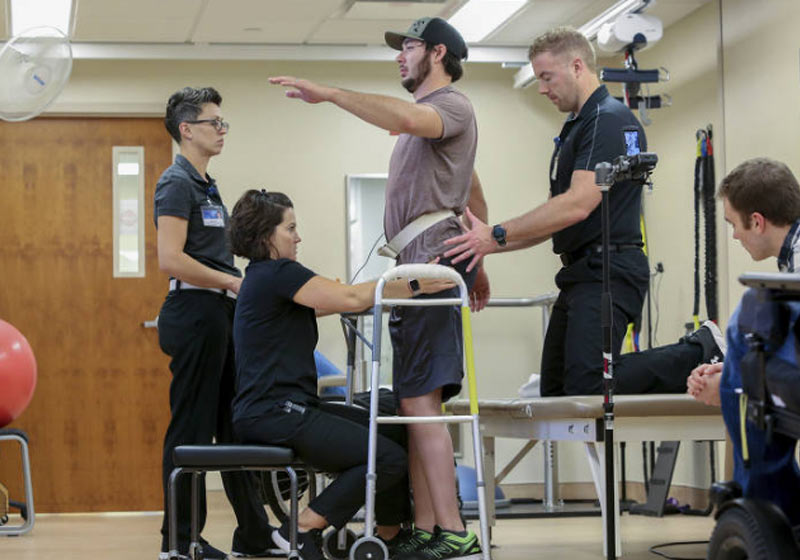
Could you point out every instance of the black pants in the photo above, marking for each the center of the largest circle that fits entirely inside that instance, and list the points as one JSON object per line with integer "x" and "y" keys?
{"x": 195, "y": 330}
{"x": 332, "y": 438}
{"x": 572, "y": 362}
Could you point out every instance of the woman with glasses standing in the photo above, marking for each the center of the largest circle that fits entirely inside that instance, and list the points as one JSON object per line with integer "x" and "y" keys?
{"x": 195, "y": 322}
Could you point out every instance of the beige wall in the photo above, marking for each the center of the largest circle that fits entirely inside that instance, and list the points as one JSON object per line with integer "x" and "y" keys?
{"x": 735, "y": 64}
{"x": 762, "y": 81}
{"x": 306, "y": 151}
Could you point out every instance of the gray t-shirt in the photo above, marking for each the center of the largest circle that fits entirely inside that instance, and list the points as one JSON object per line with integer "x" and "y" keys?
{"x": 427, "y": 175}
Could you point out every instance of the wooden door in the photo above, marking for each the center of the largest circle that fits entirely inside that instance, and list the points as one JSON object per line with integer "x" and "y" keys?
{"x": 97, "y": 419}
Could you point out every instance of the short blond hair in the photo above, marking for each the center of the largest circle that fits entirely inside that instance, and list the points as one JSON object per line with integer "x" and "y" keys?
{"x": 565, "y": 40}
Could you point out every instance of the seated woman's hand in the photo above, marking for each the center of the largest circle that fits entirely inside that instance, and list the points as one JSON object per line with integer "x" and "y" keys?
{"x": 435, "y": 285}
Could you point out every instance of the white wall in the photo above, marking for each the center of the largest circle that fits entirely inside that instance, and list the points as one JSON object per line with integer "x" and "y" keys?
{"x": 306, "y": 151}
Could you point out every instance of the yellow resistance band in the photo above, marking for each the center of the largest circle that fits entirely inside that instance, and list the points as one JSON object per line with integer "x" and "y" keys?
{"x": 466, "y": 326}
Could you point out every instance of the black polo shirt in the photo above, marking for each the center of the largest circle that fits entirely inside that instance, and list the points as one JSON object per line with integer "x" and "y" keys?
{"x": 592, "y": 136}
{"x": 183, "y": 193}
{"x": 274, "y": 339}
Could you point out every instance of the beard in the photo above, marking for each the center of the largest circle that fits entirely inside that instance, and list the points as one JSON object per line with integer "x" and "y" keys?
{"x": 411, "y": 83}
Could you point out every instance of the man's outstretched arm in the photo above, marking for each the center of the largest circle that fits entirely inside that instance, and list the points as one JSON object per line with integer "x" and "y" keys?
{"x": 383, "y": 111}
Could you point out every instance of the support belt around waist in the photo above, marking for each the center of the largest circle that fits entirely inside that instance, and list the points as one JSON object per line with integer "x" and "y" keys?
{"x": 406, "y": 235}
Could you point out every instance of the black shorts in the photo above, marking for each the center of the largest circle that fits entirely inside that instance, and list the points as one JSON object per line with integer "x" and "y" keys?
{"x": 427, "y": 344}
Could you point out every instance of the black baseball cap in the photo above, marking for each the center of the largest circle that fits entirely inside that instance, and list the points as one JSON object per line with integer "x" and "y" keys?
{"x": 431, "y": 30}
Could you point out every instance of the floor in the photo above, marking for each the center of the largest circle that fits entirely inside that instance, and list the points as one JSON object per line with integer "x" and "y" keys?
{"x": 129, "y": 536}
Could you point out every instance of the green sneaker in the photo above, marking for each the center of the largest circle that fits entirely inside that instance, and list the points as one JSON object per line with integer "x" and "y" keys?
{"x": 407, "y": 541}
{"x": 446, "y": 545}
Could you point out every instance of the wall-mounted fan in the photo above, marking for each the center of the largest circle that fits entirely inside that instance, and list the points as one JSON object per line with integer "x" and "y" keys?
{"x": 34, "y": 68}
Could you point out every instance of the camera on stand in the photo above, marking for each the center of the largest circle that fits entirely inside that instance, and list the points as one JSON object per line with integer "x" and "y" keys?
{"x": 625, "y": 168}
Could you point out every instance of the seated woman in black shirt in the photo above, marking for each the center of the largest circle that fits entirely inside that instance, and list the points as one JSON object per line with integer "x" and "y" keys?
{"x": 275, "y": 332}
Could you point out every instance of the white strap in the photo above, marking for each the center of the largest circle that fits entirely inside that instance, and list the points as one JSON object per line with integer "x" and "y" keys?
{"x": 406, "y": 235}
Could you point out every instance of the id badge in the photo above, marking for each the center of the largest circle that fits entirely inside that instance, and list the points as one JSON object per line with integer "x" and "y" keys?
{"x": 213, "y": 216}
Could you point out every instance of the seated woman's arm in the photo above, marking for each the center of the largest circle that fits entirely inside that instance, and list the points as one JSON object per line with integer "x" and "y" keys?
{"x": 328, "y": 296}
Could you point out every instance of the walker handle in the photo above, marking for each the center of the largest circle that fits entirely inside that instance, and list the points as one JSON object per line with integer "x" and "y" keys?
{"x": 422, "y": 271}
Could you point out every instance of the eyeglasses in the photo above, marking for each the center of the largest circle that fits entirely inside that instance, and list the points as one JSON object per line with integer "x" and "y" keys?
{"x": 218, "y": 124}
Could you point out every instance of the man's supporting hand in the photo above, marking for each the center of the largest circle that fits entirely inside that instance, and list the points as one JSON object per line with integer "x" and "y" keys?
{"x": 476, "y": 242}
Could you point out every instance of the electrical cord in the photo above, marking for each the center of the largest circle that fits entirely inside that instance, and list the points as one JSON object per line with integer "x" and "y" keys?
{"x": 653, "y": 550}
{"x": 369, "y": 255}
{"x": 656, "y": 305}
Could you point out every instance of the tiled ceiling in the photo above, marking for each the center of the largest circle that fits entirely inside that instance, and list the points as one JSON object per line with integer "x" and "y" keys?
{"x": 309, "y": 22}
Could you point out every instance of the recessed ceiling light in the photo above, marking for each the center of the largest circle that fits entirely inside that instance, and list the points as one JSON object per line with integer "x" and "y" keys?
{"x": 478, "y": 18}
{"x": 26, "y": 14}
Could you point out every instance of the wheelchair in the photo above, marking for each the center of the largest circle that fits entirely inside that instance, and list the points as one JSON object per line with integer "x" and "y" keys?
{"x": 751, "y": 527}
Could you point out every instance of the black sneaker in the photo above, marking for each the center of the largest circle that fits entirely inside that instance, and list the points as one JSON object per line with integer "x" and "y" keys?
{"x": 240, "y": 550}
{"x": 407, "y": 541}
{"x": 209, "y": 552}
{"x": 307, "y": 543}
{"x": 711, "y": 339}
{"x": 446, "y": 545}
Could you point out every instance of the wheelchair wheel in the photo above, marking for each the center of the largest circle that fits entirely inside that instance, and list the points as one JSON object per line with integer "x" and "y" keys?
{"x": 369, "y": 548}
{"x": 274, "y": 490}
{"x": 757, "y": 531}
{"x": 330, "y": 544}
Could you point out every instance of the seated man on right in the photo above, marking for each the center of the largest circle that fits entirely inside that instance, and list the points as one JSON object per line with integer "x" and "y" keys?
{"x": 762, "y": 204}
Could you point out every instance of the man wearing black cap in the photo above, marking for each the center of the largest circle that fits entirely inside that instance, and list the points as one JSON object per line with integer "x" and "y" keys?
{"x": 431, "y": 182}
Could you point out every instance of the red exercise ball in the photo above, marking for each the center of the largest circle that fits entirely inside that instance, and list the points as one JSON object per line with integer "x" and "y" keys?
{"x": 17, "y": 373}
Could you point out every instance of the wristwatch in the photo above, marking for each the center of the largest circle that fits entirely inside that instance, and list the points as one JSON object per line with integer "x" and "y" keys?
{"x": 499, "y": 234}
{"x": 413, "y": 285}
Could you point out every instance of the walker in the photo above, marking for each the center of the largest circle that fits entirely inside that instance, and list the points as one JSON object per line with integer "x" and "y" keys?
{"x": 370, "y": 547}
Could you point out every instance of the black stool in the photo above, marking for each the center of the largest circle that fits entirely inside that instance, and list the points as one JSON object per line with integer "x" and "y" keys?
{"x": 26, "y": 508}
{"x": 199, "y": 459}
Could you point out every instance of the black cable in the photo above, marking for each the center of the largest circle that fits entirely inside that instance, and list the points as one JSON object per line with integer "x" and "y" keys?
{"x": 698, "y": 181}
{"x": 653, "y": 550}
{"x": 353, "y": 279}
{"x": 710, "y": 213}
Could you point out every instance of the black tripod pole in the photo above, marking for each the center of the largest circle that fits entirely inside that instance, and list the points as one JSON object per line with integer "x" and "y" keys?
{"x": 604, "y": 178}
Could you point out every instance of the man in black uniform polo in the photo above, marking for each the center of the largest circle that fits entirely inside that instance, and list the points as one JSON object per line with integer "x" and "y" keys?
{"x": 564, "y": 63}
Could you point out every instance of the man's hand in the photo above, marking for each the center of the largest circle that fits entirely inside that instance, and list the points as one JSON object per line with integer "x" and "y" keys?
{"x": 703, "y": 383}
{"x": 475, "y": 242}
{"x": 480, "y": 292}
{"x": 303, "y": 89}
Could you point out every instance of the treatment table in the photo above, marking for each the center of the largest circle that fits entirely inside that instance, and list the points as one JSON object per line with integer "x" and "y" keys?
{"x": 636, "y": 418}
